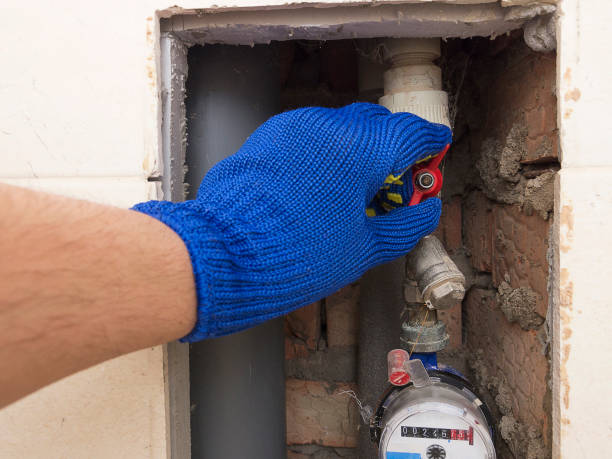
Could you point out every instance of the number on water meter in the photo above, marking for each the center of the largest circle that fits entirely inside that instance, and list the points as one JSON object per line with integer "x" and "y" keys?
{"x": 445, "y": 434}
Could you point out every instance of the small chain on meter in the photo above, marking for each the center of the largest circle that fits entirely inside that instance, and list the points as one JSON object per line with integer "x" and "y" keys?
{"x": 365, "y": 411}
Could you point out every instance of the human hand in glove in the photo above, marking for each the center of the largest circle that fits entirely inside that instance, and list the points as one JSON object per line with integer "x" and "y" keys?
{"x": 312, "y": 200}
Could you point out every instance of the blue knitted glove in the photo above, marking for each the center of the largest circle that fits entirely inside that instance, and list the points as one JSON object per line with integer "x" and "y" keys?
{"x": 283, "y": 223}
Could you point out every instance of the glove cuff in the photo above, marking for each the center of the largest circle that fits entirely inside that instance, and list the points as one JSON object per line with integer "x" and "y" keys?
{"x": 214, "y": 245}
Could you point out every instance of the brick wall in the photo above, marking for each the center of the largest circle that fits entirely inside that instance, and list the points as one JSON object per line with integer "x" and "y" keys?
{"x": 498, "y": 197}
{"x": 321, "y": 350}
{"x": 498, "y": 208}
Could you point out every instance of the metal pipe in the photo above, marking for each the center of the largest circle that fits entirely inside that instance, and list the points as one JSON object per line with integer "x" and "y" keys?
{"x": 438, "y": 279}
{"x": 237, "y": 381}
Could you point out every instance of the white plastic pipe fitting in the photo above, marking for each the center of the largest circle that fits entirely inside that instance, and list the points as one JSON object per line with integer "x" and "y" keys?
{"x": 414, "y": 83}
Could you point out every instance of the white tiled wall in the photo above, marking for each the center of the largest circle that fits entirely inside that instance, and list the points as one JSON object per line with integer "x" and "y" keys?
{"x": 117, "y": 191}
{"x": 583, "y": 320}
{"x": 79, "y": 117}
{"x": 114, "y": 410}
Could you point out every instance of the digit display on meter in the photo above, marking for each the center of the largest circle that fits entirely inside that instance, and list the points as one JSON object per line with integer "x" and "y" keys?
{"x": 444, "y": 434}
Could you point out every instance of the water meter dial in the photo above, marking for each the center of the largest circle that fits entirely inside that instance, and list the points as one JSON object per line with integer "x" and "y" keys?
{"x": 440, "y": 420}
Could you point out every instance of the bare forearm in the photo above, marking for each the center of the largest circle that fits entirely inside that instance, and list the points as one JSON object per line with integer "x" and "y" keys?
{"x": 81, "y": 283}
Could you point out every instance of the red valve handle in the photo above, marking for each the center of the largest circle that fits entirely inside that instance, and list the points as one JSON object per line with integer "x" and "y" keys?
{"x": 419, "y": 194}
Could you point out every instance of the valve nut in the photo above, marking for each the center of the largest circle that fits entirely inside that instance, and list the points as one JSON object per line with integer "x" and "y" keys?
{"x": 446, "y": 295}
{"x": 425, "y": 180}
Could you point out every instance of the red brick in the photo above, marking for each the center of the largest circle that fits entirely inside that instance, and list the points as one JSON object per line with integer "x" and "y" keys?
{"x": 342, "y": 313}
{"x": 305, "y": 324}
{"x": 543, "y": 148}
{"x": 449, "y": 230}
{"x": 452, "y": 319}
{"x": 519, "y": 252}
{"x": 478, "y": 219}
{"x": 541, "y": 120}
{"x": 478, "y": 304}
{"x": 318, "y": 413}
{"x": 509, "y": 351}
{"x": 537, "y": 121}
{"x": 524, "y": 83}
{"x": 295, "y": 348}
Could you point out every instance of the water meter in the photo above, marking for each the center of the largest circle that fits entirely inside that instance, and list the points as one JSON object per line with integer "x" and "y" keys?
{"x": 430, "y": 411}
{"x": 442, "y": 419}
